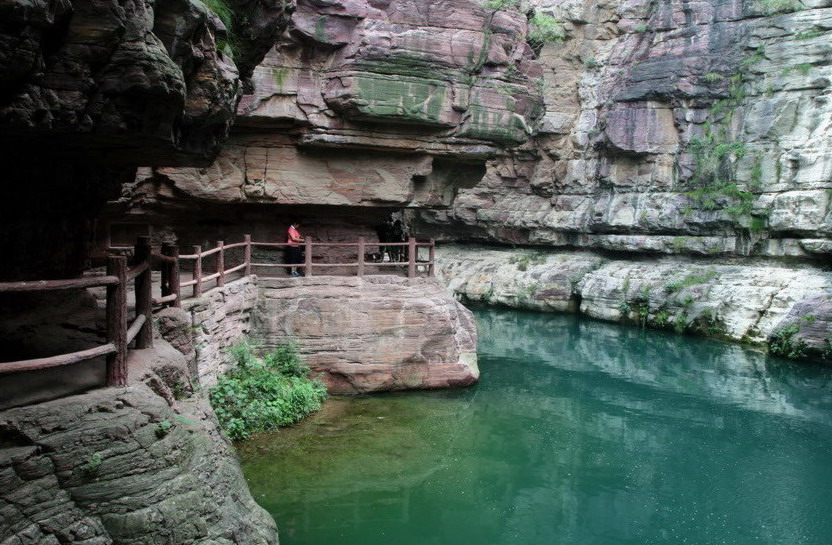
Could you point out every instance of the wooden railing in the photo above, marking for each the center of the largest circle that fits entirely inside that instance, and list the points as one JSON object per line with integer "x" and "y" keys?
{"x": 361, "y": 264}
{"x": 118, "y": 275}
{"x": 119, "y": 333}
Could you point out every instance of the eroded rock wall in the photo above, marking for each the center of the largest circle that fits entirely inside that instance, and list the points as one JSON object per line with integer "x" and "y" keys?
{"x": 671, "y": 127}
{"x": 381, "y": 104}
{"x": 204, "y": 327}
{"x": 736, "y": 300}
{"x": 122, "y": 466}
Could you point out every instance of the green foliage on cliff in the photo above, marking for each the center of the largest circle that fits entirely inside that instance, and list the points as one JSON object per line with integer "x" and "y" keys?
{"x": 501, "y": 4}
{"x": 262, "y": 394}
{"x": 226, "y": 43}
{"x": 772, "y": 7}
{"x": 783, "y": 343}
{"x": 545, "y": 29}
{"x": 222, "y": 10}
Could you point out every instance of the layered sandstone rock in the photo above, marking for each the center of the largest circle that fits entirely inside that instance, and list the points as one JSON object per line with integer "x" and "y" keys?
{"x": 376, "y": 333}
{"x": 119, "y": 466}
{"x": 674, "y": 128}
{"x": 420, "y": 103}
{"x": 737, "y": 300}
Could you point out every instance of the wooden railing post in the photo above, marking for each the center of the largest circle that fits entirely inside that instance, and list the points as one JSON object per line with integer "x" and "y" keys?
{"x": 144, "y": 293}
{"x": 247, "y": 239}
{"x": 117, "y": 322}
{"x": 431, "y": 257}
{"x": 360, "y": 257}
{"x": 198, "y": 271}
{"x": 308, "y": 264}
{"x": 411, "y": 257}
{"x": 172, "y": 250}
{"x": 221, "y": 263}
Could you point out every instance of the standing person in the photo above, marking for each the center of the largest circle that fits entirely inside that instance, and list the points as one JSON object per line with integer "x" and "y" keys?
{"x": 294, "y": 254}
{"x": 400, "y": 235}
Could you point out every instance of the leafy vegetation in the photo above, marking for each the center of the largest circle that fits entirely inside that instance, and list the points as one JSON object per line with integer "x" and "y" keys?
{"x": 689, "y": 280}
{"x": 545, "y": 29}
{"x": 528, "y": 258}
{"x": 772, "y": 7}
{"x": 163, "y": 428}
{"x": 92, "y": 465}
{"x": 715, "y": 152}
{"x": 227, "y": 43}
{"x": 501, "y": 4}
{"x": 262, "y": 394}
{"x": 783, "y": 343}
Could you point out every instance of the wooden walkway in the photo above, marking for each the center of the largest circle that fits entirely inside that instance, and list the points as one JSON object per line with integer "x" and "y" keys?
{"x": 125, "y": 327}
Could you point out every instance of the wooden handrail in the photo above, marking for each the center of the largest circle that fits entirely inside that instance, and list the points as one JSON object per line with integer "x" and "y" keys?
{"x": 57, "y": 361}
{"x": 55, "y": 285}
{"x": 135, "y": 327}
{"x": 137, "y": 270}
{"x": 119, "y": 335}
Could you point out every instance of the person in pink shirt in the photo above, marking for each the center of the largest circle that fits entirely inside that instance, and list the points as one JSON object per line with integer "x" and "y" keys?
{"x": 294, "y": 254}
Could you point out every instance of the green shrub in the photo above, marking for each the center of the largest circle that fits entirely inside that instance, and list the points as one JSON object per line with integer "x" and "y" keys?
{"x": 163, "y": 428}
{"x": 784, "y": 344}
{"x": 262, "y": 394}
{"x": 90, "y": 468}
{"x": 545, "y": 29}
{"x": 501, "y": 4}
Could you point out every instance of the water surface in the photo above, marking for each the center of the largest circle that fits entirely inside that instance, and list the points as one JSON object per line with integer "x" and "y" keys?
{"x": 579, "y": 433}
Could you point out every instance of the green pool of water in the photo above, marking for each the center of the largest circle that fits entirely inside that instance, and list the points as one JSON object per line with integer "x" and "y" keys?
{"x": 580, "y": 433}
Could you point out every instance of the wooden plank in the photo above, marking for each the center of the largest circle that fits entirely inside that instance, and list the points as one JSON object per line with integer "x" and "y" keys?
{"x": 144, "y": 294}
{"x": 198, "y": 271}
{"x": 57, "y": 361}
{"x": 188, "y": 283}
{"x": 211, "y": 252}
{"x": 53, "y": 285}
{"x": 236, "y": 245}
{"x": 237, "y": 268}
{"x": 117, "y": 322}
{"x": 247, "y": 259}
{"x": 431, "y": 258}
{"x": 221, "y": 264}
{"x": 308, "y": 264}
{"x": 210, "y": 277}
{"x": 135, "y": 328}
{"x": 164, "y": 299}
{"x": 284, "y": 265}
{"x": 174, "y": 287}
{"x": 137, "y": 270}
{"x": 360, "y": 257}
{"x": 411, "y": 257}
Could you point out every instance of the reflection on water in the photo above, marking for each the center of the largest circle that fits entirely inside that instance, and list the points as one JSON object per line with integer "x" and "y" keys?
{"x": 579, "y": 433}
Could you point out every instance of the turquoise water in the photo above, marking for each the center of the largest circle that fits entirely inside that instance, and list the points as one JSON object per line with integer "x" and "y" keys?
{"x": 579, "y": 432}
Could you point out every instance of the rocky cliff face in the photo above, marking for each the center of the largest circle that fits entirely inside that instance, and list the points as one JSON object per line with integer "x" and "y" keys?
{"x": 671, "y": 127}
{"x": 91, "y": 90}
{"x": 419, "y": 94}
{"x": 120, "y": 466}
